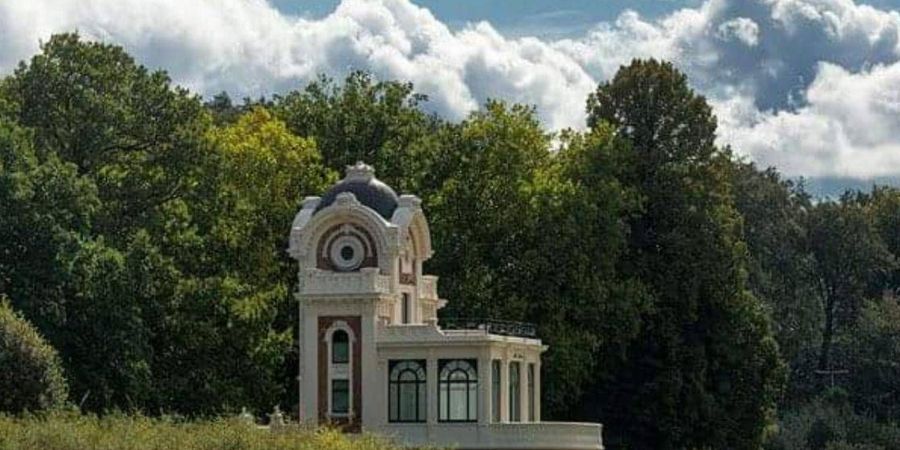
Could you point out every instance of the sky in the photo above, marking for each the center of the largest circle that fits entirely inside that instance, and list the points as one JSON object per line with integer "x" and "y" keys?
{"x": 809, "y": 86}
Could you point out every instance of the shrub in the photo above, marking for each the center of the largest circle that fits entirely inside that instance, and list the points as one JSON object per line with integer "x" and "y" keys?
{"x": 72, "y": 431}
{"x": 31, "y": 377}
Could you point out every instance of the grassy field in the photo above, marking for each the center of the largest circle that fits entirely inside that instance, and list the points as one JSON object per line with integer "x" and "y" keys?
{"x": 122, "y": 432}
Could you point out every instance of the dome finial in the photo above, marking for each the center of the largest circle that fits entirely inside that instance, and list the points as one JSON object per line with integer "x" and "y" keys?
{"x": 360, "y": 171}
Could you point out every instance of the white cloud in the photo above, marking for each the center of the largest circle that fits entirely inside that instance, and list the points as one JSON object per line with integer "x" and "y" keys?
{"x": 808, "y": 85}
{"x": 743, "y": 29}
{"x": 248, "y": 48}
{"x": 849, "y": 127}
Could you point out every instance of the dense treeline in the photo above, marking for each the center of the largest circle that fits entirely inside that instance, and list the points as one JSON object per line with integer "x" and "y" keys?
{"x": 690, "y": 299}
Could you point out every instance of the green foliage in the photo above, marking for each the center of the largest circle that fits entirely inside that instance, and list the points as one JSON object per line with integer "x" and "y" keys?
{"x": 829, "y": 422}
{"x": 31, "y": 377}
{"x": 874, "y": 359}
{"x": 362, "y": 119}
{"x": 883, "y": 208}
{"x": 780, "y": 267}
{"x": 144, "y": 243}
{"x": 74, "y": 432}
{"x": 704, "y": 371}
{"x": 849, "y": 255}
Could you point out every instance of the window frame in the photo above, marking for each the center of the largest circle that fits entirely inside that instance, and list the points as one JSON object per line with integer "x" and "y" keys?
{"x": 446, "y": 382}
{"x": 346, "y": 391}
{"x": 334, "y": 343}
{"x": 419, "y": 386}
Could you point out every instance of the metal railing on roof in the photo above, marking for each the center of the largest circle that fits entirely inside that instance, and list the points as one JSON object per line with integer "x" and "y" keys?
{"x": 492, "y": 326}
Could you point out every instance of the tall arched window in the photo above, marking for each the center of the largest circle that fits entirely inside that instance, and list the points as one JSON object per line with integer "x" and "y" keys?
{"x": 340, "y": 347}
{"x": 406, "y": 390}
{"x": 458, "y": 390}
{"x": 339, "y": 373}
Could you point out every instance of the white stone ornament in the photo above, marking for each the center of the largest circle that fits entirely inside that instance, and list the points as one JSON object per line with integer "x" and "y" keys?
{"x": 347, "y": 253}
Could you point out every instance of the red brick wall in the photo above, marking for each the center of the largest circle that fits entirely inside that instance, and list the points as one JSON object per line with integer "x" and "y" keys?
{"x": 353, "y": 322}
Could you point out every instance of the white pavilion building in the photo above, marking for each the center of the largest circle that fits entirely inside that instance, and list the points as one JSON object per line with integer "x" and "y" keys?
{"x": 372, "y": 355}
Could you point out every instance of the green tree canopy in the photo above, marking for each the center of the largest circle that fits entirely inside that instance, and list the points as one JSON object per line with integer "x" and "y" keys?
{"x": 677, "y": 387}
{"x": 362, "y": 119}
{"x": 849, "y": 256}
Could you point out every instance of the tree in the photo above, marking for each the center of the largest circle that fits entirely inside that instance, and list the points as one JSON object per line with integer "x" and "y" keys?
{"x": 139, "y": 241}
{"x": 31, "y": 376}
{"x": 260, "y": 175}
{"x": 591, "y": 310}
{"x": 378, "y": 122}
{"x": 874, "y": 349}
{"x": 677, "y": 387}
{"x": 849, "y": 254}
{"x": 490, "y": 165}
{"x": 134, "y": 134}
{"x": 782, "y": 269}
{"x": 883, "y": 207}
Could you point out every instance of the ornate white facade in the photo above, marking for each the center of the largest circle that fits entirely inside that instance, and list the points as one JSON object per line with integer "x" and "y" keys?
{"x": 372, "y": 356}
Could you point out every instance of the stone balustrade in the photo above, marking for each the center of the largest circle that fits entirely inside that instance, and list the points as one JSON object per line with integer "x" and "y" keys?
{"x": 519, "y": 436}
{"x": 365, "y": 281}
{"x": 428, "y": 287}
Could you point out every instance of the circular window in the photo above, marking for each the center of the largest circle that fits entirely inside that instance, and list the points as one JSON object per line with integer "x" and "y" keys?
{"x": 347, "y": 253}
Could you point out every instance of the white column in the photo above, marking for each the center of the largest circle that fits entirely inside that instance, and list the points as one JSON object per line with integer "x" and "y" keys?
{"x": 309, "y": 356}
{"x": 431, "y": 388}
{"x": 537, "y": 391}
{"x": 504, "y": 389}
{"x": 301, "y": 352}
{"x": 381, "y": 403}
{"x": 524, "y": 402}
{"x": 484, "y": 387}
{"x": 371, "y": 390}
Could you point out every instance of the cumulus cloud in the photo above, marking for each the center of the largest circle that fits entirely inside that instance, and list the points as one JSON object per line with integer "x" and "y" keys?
{"x": 247, "y": 47}
{"x": 743, "y": 29}
{"x": 849, "y": 127}
{"x": 808, "y": 85}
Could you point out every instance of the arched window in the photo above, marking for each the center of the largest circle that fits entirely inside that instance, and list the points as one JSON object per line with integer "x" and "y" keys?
{"x": 339, "y": 373}
{"x": 340, "y": 347}
{"x": 406, "y": 390}
{"x": 458, "y": 390}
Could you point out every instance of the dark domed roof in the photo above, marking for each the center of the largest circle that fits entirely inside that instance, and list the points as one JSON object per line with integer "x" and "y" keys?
{"x": 370, "y": 191}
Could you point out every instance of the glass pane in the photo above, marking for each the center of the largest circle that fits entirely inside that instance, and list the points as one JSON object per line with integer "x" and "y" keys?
{"x": 442, "y": 402}
{"x": 531, "y": 392}
{"x": 340, "y": 396}
{"x": 514, "y": 389}
{"x": 408, "y": 402}
{"x": 495, "y": 390}
{"x": 420, "y": 416}
{"x": 340, "y": 347}
{"x": 458, "y": 407}
{"x": 392, "y": 402}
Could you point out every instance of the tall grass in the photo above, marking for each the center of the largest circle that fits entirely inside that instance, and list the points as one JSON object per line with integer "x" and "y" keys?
{"x": 71, "y": 431}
